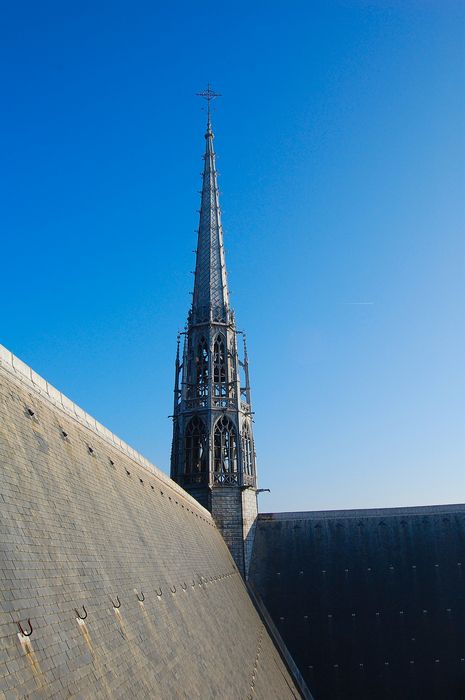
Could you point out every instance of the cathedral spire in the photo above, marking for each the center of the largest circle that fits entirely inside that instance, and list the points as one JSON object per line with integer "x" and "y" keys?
{"x": 211, "y": 295}
{"x": 213, "y": 454}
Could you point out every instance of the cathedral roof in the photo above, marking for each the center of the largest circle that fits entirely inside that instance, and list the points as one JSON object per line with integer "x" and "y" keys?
{"x": 369, "y": 602}
{"x": 115, "y": 582}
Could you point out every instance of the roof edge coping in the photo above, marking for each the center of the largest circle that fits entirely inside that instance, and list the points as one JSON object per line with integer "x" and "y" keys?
{"x": 21, "y": 372}
{"x": 364, "y": 512}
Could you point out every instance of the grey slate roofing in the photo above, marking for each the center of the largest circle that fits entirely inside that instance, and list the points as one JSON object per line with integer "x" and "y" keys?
{"x": 114, "y": 582}
{"x": 370, "y": 603}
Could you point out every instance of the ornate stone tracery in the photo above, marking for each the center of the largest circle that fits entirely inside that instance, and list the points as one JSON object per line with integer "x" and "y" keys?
{"x": 208, "y": 389}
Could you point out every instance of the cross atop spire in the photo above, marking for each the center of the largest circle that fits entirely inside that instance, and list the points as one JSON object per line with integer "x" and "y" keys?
{"x": 211, "y": 296}
{"x": 208, "y": 94}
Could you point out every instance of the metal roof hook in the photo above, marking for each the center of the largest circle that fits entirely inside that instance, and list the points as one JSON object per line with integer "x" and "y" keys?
{"x": 23, "y": 631}
{"x": 140, "y": 598}
{"x": 173, "y": 589}
{"x": 159, "y": 592}
{"x": 184, "y": 586}
{"x": 81, "y": 617}
{"x": 114, "y": 604}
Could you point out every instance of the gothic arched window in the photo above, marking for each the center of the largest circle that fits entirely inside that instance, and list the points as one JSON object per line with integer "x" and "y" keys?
{"x": 220, "y": 387}
{"x": 247, "y": 451}
{"x": 195, "y": 449}
{"x": 202, "y": 367}
{"x": 225, "y": 451}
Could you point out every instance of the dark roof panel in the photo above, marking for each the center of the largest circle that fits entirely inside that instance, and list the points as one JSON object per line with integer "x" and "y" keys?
{"x": 371, "y": 603}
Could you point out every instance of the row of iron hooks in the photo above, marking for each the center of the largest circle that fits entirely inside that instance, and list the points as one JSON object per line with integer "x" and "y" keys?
{"x": 116, "y": 605}
{"x": 201, "y": 581}
{"x": 184, "y": 586}
{"x": 140, "y": 597}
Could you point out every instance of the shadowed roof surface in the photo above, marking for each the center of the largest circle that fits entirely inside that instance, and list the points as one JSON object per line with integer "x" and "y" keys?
{"x": 370, "y": 603}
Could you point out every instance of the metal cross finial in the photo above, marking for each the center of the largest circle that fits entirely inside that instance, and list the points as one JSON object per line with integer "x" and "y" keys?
{"x": 208, "y": 94}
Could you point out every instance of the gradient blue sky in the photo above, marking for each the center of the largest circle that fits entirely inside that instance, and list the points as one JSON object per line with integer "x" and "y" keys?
{"x": 340, "y": 141}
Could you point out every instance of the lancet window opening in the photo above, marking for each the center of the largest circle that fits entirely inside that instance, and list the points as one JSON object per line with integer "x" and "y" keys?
{"x": 247, "y": 451}
{"x": 202, "y": 368}
{"x": 225, "y": 451}
{"x": 187, "y": 373}
{"x": 220, "y": 385}
{"x": 233, "y": 369}
{"x": 195, "y": 450}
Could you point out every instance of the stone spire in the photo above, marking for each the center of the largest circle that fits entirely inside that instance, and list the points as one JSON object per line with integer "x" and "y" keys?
{"x": 213, "y": 454}
{"x": 211, "y": 297}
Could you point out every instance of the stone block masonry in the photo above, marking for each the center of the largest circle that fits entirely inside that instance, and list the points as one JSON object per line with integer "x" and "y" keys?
{"x": 249, "y": 522}
{"x": 234, "y": 511}
{"x": 123, "y": 578}
{"x": 227, "y": 514}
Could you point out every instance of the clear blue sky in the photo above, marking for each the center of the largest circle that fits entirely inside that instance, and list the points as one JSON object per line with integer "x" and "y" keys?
{"x": 340, "y": 141}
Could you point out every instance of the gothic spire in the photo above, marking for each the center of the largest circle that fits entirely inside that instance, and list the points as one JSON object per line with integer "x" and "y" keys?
{"x": 213, "y": 454}
{"x": 211, "y": 296}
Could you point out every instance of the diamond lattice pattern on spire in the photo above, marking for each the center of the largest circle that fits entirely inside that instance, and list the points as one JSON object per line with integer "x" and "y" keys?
{"x": 211, "y": 297}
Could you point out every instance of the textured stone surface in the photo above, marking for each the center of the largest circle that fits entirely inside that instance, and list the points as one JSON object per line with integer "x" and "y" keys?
{"x": 227, "y": 513}
{"x": 370, "y": 603}
{"x": 249, "y": 521}
{"x": 234, "y": 511}
{"x": 87, "y": 522}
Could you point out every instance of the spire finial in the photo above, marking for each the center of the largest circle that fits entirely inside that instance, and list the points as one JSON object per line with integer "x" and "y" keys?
{"x": 208, "y": 94}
